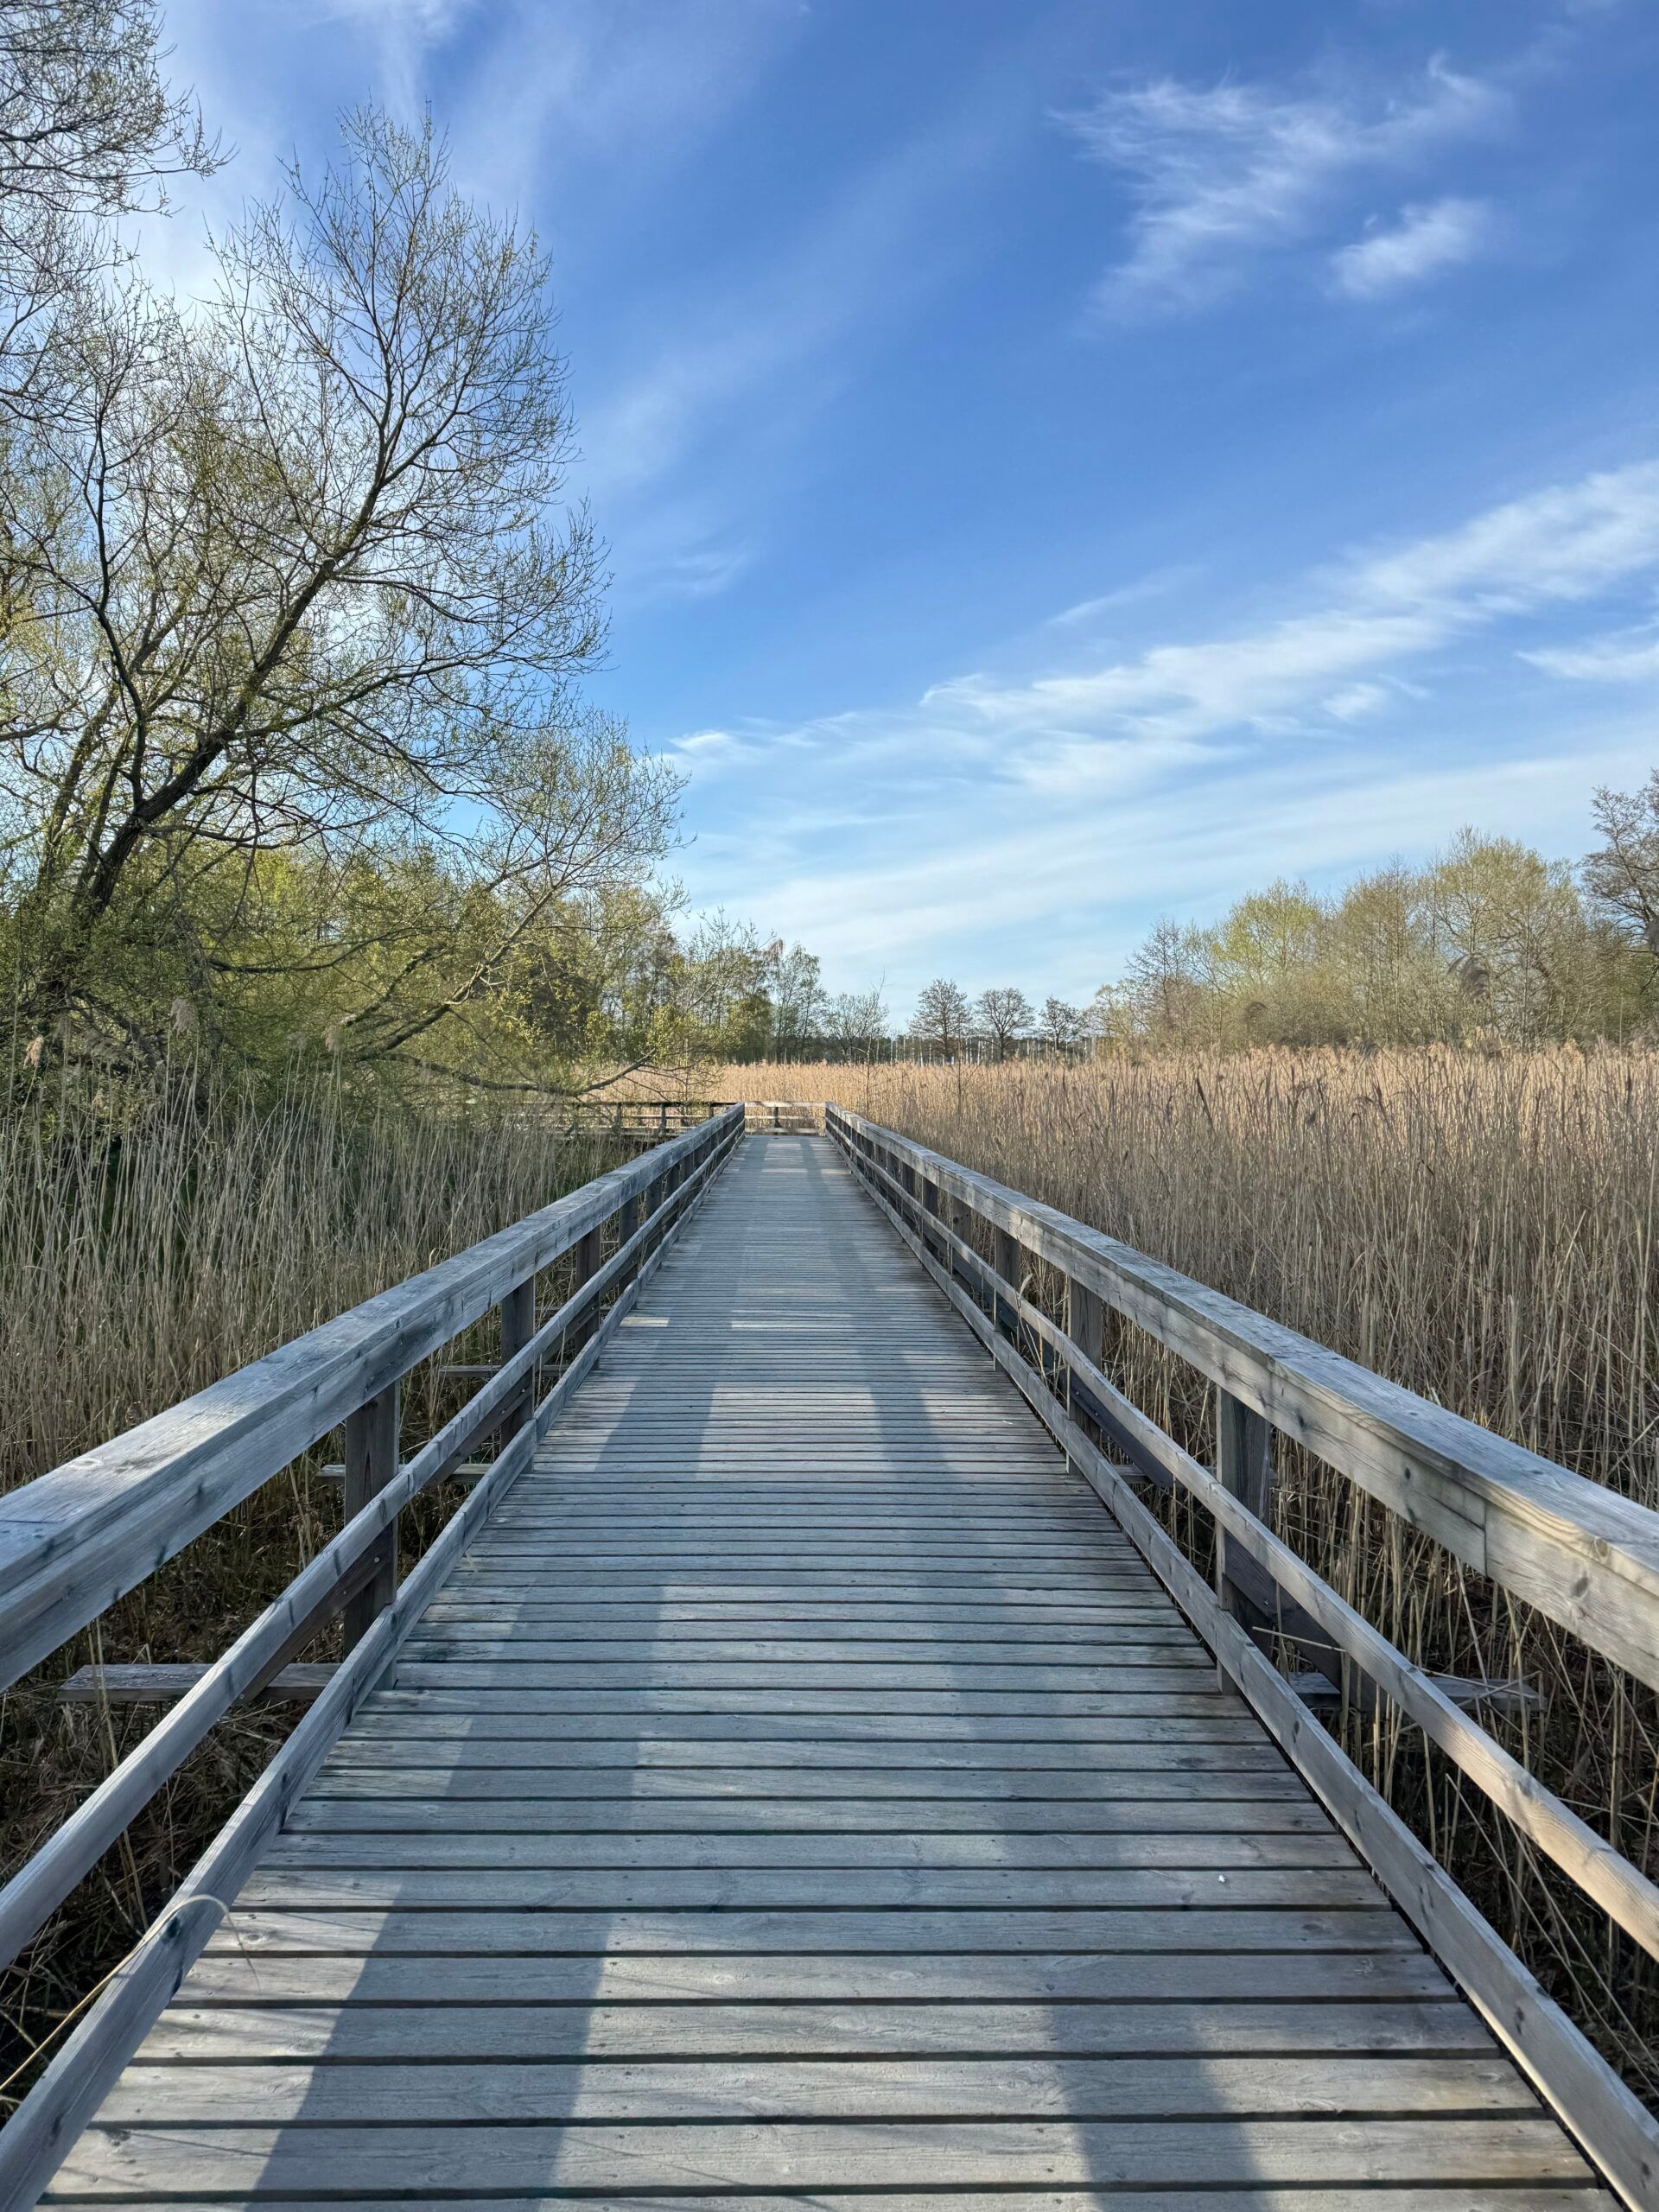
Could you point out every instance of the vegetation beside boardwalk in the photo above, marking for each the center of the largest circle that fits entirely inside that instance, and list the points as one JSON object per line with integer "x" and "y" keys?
{"x": 149, "y": 1245}
{"x": 1480, "y": 1228}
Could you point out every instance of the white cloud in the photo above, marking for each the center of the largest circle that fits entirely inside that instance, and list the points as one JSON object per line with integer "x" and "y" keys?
{"x": 1562, "y": 544}
{"x": 586, "y": 105}
{"x": 994, "y": 812}
{"x": 1425, "y": 241}
{"x": 1222, "y": 173}
{"x": 1622, "y": 657}
{"x": 1153, "y": 586}
{"x": 1355, "y": 701}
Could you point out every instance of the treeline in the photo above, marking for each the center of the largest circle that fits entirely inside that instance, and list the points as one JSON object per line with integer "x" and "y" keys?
{"x": 1490, "y": 940}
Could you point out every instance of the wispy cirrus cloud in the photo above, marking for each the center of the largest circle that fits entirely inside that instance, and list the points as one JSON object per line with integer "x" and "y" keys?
{"x": 1619, "y": 657}
{"x": 1562, "y": 544}
{"x": 991, "y": 802}
{"x": 1426, "y": 242}
{"x": 1223, "y": 174}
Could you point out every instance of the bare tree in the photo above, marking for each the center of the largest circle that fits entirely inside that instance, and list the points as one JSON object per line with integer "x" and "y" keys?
{"x": 1622, "y": 876}
{"x": 1003, "y": 1015}
{"x": 88, "y": 131}
{"x": 290, "y": 576}
{"x": 1165, "y": 977}
{"x": 942, "y": 1016}
{"x": 857, "y": 1021}
{"x": 1060, "y": 1026}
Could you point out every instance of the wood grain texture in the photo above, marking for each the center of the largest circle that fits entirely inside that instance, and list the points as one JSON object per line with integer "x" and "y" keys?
{"x": 1587, "y": 1557}
{"x": 802, "y": 1787}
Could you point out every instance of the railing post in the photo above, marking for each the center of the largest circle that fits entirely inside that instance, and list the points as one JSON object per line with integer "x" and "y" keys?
{"x": 590, "y": 1257}
{"x": 1243, "y": 1466}
{"x": 1085, "y": 1325}
{"x": 931, "y": 1205}
{"x": 371, "y": 1460}
{"x": 1004, "y": 1261}
{"x": 518, "y": 1312}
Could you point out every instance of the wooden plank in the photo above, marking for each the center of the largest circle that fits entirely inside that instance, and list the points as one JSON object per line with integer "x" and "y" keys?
{"x": 1366, "y": 2197}
{"x": 804, "y": 2159}
{"x": 718, "y": 1818}
{"x": 1133, "y": 1643}
{"x": 434, "y": 1718}
{"x": 752, "y": 1845}
{"x": 1057, "y": 1980}
{"x": 205, "y": 2093}
{"x": 195, "y": 2033}
{"x": 431, "y": 1933}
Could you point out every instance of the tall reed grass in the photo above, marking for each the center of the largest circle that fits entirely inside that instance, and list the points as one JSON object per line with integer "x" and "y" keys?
{"x": 149, "y": 1245}
{"x": 1483, "y": 1229}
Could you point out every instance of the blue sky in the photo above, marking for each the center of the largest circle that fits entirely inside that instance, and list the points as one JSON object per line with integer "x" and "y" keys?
{"x": 1065, "y": 464}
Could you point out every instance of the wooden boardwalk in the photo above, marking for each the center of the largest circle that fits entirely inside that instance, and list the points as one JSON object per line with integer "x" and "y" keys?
{"x": 803, "y": 1788}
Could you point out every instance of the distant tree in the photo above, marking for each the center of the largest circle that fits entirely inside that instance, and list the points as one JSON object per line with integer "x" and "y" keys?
{"x": 1166, "y": 979}
{"x": 1060, "y": 1026}
{"x": 1512, "y": 930}
{"x": 857, "y": 1021}
{"x": 1003, "y": 1015}
{"x": 942, "y": 1016}
{"x": 726, "y": 1004}
{"x": 1622, "y": 875}
{"x": 793, "y": 981}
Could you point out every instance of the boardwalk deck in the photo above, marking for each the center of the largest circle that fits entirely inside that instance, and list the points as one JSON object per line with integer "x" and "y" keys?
{"x": 802, "y": 1788}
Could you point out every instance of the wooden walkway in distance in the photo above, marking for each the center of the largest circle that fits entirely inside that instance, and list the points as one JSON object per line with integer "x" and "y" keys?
{"x": 804, "y": 1787}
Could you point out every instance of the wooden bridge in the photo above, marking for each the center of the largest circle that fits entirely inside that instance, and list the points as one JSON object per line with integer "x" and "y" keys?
{"x": 802, "y": 1769}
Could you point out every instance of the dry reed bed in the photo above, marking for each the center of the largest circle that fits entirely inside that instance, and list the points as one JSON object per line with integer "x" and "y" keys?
{"x": 1481, "y": 1230}
{"x": 148, "y": 1247}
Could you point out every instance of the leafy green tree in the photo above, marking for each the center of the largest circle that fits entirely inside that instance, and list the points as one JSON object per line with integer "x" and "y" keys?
{"x": 290, "y": 576}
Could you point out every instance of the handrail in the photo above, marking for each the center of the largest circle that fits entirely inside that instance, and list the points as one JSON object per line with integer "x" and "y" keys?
{"x": 919, "y": 1191}
{"x": 34, "y": 2141}
{"x": 75, "y": 1540}
{"x": 315, "y": 1594}
{"x": 1577, "y": 1551}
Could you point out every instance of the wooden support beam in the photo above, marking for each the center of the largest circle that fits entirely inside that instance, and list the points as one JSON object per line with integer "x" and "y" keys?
{"x": 518, "y": 1312}
{"x": 1245, "y": 1469}
{"x": 468, "y": 1470}
{"x": 371, "y": 1462}
{"x": 155, "y": 1684}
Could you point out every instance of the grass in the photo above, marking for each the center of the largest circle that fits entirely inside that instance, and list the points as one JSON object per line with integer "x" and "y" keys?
{"x": 1482, "y": 1229}
{"x": 146, "y": 1247}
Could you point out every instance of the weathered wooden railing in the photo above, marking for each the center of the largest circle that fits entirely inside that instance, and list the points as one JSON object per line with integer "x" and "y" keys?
{"x": 1583, "y": 1556}
{"x": 74, "y": 1542}
{"x": 650, "y": 1120}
